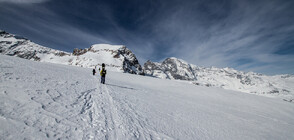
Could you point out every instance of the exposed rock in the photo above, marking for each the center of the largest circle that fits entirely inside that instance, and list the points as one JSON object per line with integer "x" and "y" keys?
{"x": 77, "y": 51}
{"x": 170, "y": 68}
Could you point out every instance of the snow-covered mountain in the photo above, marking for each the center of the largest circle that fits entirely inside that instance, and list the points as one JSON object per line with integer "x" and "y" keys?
{"x": 116, "y": 57}
{"x": 48, "y": 101}
{"x": 14, "y": 45}
{"x": 121, "y": 59}
{"x": 227, "y": 78}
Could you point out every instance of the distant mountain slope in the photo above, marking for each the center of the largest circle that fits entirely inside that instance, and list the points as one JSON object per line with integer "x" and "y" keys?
{"x": 116, "y": 57}
{"x": 227, "y": 78}
{"x": 14, "y": 45}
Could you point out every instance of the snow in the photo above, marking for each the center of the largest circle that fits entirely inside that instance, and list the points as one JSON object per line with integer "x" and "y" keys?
{"x": 278, "y": 86}
{"x": 89, "y": 59}
{"x": 120, "y": 59}
{"x": 254, "y": 83}
{"x": 52, "y": 101}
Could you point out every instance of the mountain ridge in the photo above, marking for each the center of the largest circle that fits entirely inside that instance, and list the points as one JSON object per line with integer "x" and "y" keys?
{"x": 120, "y": 58}
{"x": 227, "y": 78}
{"x": 116, "y": 57}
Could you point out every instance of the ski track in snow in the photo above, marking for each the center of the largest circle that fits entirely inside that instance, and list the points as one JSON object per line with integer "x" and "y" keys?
{"x": 48, "y": 101}
{"x": 79, "y": 113}
{"x": 136, "y": 124}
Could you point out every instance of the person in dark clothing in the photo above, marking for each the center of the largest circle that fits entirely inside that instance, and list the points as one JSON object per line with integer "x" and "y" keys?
{"x": 103, "y": 74}
{"x": 94, "y": 71}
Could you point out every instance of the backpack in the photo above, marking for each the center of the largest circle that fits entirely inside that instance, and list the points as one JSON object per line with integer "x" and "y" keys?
{"x": 103, "y": 72}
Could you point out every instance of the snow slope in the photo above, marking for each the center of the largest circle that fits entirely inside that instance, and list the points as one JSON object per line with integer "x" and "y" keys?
{"x": 51, "y": 101}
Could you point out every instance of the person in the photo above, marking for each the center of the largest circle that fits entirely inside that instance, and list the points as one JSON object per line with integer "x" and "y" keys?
{"x": 94, "y": 71}
{"x": 103, "y": 73}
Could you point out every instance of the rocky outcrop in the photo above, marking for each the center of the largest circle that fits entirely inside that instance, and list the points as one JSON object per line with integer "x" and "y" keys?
{"x": 130, "y": 62}
{"x": 78, "y": 51}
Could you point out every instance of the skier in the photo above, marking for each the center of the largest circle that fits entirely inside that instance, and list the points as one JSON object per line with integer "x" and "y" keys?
{"x": 103, "y": 74}
{"x": 94, "y": 71}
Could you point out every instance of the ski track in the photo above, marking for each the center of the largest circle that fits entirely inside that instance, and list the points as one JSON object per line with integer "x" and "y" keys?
{"x": 134, "y": 125}
{"x": 71, "y": 110}
{"x": 95, "y": 112}
{"x": 100, "y": 115}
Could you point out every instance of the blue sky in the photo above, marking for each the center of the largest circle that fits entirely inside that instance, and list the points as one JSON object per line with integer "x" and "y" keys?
{"x": 248, "y": 35}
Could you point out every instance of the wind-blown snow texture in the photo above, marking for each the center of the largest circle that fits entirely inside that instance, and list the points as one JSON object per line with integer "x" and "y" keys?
{"x": 281, "y": 86}
{"x": 116, "y": 57}
{"x": 45, "y": 100}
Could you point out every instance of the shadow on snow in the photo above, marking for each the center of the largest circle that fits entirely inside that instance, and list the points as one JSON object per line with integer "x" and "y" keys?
{"x": 120, "y": 86}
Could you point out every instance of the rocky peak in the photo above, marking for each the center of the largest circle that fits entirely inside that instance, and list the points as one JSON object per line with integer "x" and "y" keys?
{"x": 171, "y": 68}
{"x": 130, "y": 63}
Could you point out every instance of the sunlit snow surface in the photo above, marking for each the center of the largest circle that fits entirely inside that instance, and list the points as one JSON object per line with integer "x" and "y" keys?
{"x": 51, "y": 101}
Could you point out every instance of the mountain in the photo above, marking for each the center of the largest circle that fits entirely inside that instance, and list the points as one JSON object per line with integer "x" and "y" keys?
{"x": 120, "y": 58}
{"x": 227, "y": 78}
{"x": 14, "y": 45}
{"x": 49, "y": 101}
{"x": 116, "y": 57}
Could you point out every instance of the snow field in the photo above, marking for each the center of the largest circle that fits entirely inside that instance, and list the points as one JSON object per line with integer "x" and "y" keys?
{"x": 51, "y": 101}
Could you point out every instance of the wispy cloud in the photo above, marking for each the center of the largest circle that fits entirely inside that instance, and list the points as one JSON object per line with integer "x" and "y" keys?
{"x": 246, "y": 35}
{"x": 48, "y": 28}
{"x": 23, "y": 1}
{"x": 227, "y": 33}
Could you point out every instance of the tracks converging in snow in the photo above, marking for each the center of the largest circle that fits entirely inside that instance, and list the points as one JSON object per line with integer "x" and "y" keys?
{"x": 114, "y": 118}
{"x": 112, "y": 121}
{"x": 108, "y": 117}
{"x": 103, "y": 117}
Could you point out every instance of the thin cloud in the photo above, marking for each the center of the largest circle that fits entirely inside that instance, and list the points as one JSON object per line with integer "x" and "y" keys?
{"x": 246, "y": 35}
{"x": 50, "y": 31}
{"x": 23, "y": 1}
{"x": 244, "y": 31}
